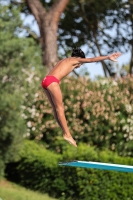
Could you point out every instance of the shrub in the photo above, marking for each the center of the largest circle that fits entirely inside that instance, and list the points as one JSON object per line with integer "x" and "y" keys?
{"x": 38, "y": 169}
{"x": 99, "y": 113}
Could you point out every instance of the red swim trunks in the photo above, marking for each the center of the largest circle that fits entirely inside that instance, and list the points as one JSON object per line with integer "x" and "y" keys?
{"x": 48, "y": 80}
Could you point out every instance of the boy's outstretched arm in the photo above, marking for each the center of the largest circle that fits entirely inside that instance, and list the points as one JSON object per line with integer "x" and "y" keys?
{"x": 111, "y": 57}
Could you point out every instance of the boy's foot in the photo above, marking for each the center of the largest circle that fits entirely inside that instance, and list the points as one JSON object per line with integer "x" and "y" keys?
{"x": 70, "y": 140}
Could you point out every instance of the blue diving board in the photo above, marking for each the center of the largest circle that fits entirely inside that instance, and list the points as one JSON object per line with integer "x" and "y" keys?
{"x": 97, "y": 165}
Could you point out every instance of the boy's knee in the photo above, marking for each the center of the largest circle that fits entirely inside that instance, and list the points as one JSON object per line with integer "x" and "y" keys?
{"x": 60, "y": 109}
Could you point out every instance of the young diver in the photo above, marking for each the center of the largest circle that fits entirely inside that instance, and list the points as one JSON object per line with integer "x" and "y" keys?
{"x": 52, "y": 89}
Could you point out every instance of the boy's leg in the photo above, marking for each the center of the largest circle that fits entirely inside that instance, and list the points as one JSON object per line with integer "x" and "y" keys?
{"x": 55, "y": 96}
{"x": 52, "y": 104}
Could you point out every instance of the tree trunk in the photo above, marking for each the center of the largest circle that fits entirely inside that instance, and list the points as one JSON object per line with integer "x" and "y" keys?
{"x": 105, "y": 68}
{"x": 48, "y": 26}
{"x": 131, "y": 18}
{"x": 49, "y": 43}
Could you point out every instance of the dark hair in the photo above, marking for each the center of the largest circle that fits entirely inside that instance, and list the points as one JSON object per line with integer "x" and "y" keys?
{"x": 77, "y": 52}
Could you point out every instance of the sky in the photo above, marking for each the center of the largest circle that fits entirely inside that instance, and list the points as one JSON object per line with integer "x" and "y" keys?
{"x": 94, "y": 69}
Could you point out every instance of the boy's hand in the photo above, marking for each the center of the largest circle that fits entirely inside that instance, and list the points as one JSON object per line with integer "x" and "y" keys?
{"x": 114, "y": 56}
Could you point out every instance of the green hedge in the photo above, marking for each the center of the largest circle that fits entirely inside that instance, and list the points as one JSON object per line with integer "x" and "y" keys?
{"x": 38, "y": 169}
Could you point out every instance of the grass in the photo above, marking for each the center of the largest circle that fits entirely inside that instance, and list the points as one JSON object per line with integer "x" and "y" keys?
{"x": 11, "y": 191}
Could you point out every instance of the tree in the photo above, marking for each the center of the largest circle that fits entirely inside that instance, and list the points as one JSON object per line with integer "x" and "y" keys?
{"x": 130, "y": 4}
{"x": 104, "y": 26}
{"x": 47, "y": 16}
{"x": 101, "y": 25}
{"x": 17, "y": 72}
{"x": 87, "y": 23}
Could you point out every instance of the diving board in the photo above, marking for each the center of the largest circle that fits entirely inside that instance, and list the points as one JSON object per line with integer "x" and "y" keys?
{"x": 97, "y": 165}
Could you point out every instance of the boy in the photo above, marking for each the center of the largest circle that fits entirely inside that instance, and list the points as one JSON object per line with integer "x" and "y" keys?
{"x": 52, "y": 89}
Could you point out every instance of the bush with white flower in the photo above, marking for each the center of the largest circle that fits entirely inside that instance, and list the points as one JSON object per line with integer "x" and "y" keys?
{"x": 98, "y": 113}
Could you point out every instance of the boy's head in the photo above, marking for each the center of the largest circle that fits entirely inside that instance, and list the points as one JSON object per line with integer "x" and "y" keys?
{"x": 77, "y": 52}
